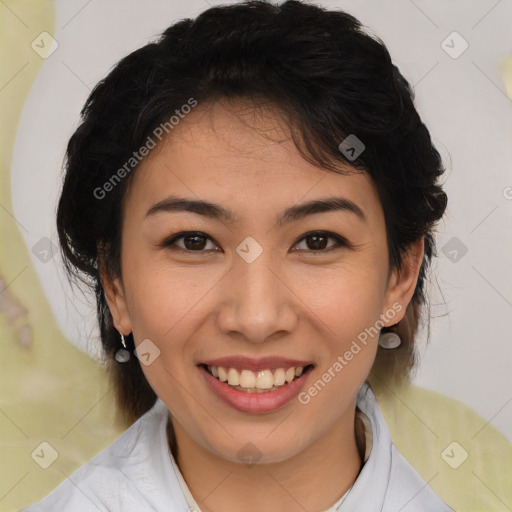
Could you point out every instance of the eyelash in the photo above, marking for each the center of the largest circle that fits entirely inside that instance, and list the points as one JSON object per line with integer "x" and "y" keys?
{"x": 340, "y": 241}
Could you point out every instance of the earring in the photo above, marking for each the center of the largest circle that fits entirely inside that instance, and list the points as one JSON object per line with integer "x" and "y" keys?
{"x": 389, "y": 340}
{"x": 122, "y": 355}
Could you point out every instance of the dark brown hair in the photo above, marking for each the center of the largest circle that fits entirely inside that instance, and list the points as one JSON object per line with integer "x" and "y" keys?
{"x": 328, "y": 76}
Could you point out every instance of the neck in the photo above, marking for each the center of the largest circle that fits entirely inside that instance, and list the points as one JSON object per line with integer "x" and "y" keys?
{"x": 313, "y": 479}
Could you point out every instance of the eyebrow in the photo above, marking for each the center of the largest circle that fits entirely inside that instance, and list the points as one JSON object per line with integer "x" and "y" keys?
{"x": 291, "y": 214}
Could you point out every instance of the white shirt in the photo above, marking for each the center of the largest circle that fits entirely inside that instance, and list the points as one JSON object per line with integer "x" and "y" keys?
{"x": 137, "y": 473}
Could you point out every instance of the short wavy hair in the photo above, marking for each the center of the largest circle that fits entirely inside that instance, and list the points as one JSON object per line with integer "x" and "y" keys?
{"x": 326, "y": 74}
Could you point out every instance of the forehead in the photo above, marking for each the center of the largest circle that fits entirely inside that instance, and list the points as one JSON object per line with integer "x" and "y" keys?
{"x": 242, "y": 156}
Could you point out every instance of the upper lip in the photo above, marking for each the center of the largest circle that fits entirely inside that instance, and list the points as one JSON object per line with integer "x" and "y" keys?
{"x": 256, "y": 365}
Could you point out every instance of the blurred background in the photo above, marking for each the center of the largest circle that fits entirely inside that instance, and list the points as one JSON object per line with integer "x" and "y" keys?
{"x": 56, "y": 407}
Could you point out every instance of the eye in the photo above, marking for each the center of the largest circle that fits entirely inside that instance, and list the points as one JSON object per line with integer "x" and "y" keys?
{"x": 193, "y": 241}
{"x": 317, "y": 241}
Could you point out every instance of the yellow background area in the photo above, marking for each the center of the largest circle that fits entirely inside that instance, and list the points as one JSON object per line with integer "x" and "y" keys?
{"x": 51, "y": 392}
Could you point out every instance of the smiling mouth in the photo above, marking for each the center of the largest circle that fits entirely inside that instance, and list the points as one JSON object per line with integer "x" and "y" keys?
{"x": 262, "y": 381}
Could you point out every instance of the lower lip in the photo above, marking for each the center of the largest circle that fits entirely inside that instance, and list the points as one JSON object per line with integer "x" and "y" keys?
{"x": 257, "y": 403}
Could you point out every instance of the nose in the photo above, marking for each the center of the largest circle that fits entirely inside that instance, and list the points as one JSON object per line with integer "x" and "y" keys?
{"x": 257, "y": 304}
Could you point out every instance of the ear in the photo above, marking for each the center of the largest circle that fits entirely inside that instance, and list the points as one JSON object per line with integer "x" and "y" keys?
{"x": 116, "y": 300}
{"x": 402, "y": 282}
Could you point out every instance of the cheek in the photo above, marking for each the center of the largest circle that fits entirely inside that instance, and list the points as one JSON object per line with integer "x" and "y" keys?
{"x": 347, "y": 298}
{"x": 162, "y": 303}
{"x": 348, "y": 303}
{"x": 167, "y": 309}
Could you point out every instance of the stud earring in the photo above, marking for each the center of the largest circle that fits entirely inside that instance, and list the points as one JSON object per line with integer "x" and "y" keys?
{"x": 389, "y": 340}
{"x": 123, "y": 354}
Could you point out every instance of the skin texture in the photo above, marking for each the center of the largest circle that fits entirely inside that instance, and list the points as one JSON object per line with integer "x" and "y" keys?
{"x": 292, "y": 301}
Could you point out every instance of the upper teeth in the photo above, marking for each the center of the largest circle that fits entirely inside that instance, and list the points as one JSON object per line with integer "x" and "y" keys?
{"x": 263, "y": 379}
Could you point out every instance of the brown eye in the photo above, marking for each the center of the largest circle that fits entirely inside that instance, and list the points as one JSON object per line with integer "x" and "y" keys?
{"x": 318, "y": 241}
{"x": 190, "y": 242}
{"x": 194, "y": 242}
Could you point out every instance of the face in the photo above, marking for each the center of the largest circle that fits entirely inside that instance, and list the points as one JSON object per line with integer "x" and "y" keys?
{"x": 241, "y": 259}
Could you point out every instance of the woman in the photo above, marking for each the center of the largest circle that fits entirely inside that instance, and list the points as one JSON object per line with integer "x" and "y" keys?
{"x": 253, "y": 199}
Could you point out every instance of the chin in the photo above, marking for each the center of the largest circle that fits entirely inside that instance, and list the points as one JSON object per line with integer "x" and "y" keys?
{"x": 250, "y": 451}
